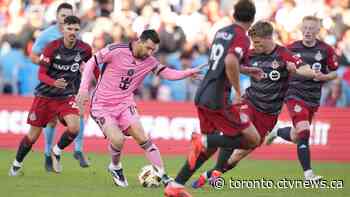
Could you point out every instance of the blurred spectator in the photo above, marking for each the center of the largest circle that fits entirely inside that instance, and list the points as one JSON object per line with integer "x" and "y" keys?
{"x": 335, "y": 97}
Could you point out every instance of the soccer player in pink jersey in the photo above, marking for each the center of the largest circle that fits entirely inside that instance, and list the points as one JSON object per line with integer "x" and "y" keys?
{"x": 124, "y": 67}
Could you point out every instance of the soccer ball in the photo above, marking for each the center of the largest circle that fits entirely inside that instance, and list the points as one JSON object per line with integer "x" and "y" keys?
{"x": 148, "y": 177}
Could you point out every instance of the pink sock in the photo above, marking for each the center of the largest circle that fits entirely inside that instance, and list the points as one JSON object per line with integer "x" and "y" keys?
{"x": 153, "y": 154}
{"x": 115, "y": 153}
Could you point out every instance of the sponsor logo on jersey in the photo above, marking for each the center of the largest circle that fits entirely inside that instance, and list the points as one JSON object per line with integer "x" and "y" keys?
{"x": 74, "y": 67}
{"x": 44, "y": 59}
{"x": 224, "y": 36}
{"x": 239, "y": 52}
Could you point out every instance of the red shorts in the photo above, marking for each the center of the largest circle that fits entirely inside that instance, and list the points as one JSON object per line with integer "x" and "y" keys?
{"x": 263, "y": 122}
{"x": 299, "y": 111}
{"x": 43, "y": 110}
{"x": 228, "y": 121}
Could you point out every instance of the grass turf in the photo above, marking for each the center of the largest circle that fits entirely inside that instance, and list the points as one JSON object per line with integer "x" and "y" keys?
{"x": 95, "y": 181}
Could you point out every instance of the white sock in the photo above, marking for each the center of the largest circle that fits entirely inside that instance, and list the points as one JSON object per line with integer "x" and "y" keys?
{"x": 56, "y": 150}
{"x": 115, "y": 167}
{"x": 308, "y": 173}
{"x": 16, "y": 163}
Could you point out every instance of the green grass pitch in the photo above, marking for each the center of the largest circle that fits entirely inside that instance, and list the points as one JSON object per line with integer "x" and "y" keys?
{"x": 95, "y": 181}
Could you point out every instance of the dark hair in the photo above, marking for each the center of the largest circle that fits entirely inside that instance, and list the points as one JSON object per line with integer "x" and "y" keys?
{"x": 71, "y": 20}
{"x": 244, "y": 11}
{"x": 150, "y": 34}
{"x": 261, "y": 29}
{"x": 64, "y": 6}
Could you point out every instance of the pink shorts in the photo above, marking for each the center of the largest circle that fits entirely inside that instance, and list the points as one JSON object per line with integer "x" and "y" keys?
{"x": 122, "y": 116}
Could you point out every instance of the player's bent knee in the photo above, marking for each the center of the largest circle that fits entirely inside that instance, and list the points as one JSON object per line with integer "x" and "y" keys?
{"x": 302, "y": 130}
{"x": 73, "y": 128}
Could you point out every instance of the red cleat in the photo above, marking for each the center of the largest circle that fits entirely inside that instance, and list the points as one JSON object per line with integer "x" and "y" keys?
{"x": 197, "y": 148}
{"x": 176, "y": 192}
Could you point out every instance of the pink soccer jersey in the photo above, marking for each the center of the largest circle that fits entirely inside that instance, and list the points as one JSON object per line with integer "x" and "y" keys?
{"x": 121, "y": 74}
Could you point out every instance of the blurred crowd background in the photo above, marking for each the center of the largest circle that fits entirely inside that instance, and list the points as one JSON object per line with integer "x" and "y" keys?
{"x": 186, "y": 28}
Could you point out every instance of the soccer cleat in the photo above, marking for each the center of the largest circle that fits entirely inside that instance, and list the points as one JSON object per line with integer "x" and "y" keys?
{"x": 197, "y": 148}
{"x": 170, "y": 191}
{"x": 200, "y": 182}
{"x": 214, "y": 175}
{"x": 56, "y": 164}
{"x": 165, "y": 179}
{"x": 271, "y": 136}
{"x": 310, "y": 176}
{"x": 15, "y": 171}
{"x": 118, "y": 177}
{"x": 83, "y": 161}
{"x": 48, "y": 164}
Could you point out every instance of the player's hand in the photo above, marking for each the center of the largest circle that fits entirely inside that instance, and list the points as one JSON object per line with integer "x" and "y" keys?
{"x": 291, "y": 67}
{"x": 81, "y": 99}
{"x": 319, "y": 76}
{"x": 198, "y": 72}
{"x": 60, "y": 83}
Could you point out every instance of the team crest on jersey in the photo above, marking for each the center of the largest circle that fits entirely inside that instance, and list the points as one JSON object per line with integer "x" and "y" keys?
{"x": 318, "y": 56}
{"x": 32, "y": 116}
{"x": 297, "y": 108}
{"x": 131, "y": 72}
{"x": 275, "y": 64}
{"x": 58, "y": 57}
{"x": 77, "y": 57}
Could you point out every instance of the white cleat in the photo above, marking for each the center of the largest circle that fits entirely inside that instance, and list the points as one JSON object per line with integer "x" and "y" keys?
{"x": 15, "y": 171}
{"x": 313, "y": 177}
{"x": 118, "y": 177}
{"x": 56, "y": 162}
{"x": 271, "y": 136}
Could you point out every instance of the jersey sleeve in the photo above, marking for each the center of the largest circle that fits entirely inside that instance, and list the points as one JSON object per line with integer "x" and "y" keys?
{"x": 289, "y": 57}
{"x": 47, "y": 56}
{"x": 157, "y": 66}
{"x": 39, "y": 44}
{"x": 103, "y": 56}
{"x": 239, "y": 47}
{"x": 332, "y": 59}
{"x": 88, "y": 52}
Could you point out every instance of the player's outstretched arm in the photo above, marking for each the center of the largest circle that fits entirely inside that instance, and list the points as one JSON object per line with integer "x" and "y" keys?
{"x": 306, "y": 71}
{"x": 254, "y": 72}
{"x": 326, "y": 77}
{"x": 172, "y": 74}
{"x": 87, "y": 77}
{"x": 232, "y": 70}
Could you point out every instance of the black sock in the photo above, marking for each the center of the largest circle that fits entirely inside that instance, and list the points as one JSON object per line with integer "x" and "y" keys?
{"x": 224, "y": 156}
{"x": 66, "y": 139}
{"x": 185, "y": 173}
{"x": 304, "y": 153}
{"x": 223, "y": 141}
{"x": 227, "y": 167}
{"x": 23, "y": 149}
{"x": 284, "y": 133}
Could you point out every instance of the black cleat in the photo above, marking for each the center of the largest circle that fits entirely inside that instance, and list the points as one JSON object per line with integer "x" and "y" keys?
{"x": 83, "y": 161}
{"x": 48, "y": 164}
